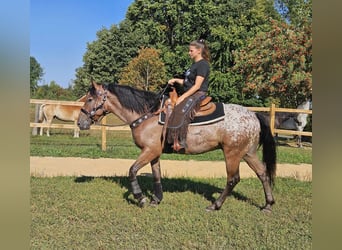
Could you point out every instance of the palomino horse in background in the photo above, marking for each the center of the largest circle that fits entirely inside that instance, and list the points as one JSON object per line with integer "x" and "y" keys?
{"x": 68, "y": 113}
{"x": 292, "y": 121}
{"x": 238, "y": 134}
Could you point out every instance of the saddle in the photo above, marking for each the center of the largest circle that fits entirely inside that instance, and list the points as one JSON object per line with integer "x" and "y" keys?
{"x": 201, "y": 114}
{"x": 206, "y": 106}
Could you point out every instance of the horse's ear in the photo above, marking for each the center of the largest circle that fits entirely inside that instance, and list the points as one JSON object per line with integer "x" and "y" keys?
{"x": 96, "y": 85}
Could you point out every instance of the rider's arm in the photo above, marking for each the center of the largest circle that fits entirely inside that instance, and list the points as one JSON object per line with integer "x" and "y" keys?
{"x": 198, "y": 82}
{"x": 176, "y": 80}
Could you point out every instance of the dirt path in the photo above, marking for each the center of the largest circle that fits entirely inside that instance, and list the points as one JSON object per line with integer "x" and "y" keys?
{"x": 71, "y": 166}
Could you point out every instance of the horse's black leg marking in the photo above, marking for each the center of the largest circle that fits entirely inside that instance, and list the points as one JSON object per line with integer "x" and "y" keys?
{"x": 260, "y": 170}
{"x": 157, "y": 194}
{"x": 157, "y": 186}
{"x": 299, "y": 141}
{"x": 268, "y": 192}
{"x": 136, "y": 190}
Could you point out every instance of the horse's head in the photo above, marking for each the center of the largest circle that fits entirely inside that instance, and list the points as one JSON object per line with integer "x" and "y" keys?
{"x": 93, "y": 108}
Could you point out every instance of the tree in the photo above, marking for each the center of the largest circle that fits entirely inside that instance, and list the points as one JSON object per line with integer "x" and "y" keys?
{"x": 81, "y": 83}
{"x": 225, "y": 25}
{"x": 169, "y": 26}
{"x": 295, "y": 12}
{"x": 108, "y": 55}
{"x": 53, "y": 91}
{"x": 36, "y": 74}
{"x": 146, "y": 71}
{"x": 276, "y": 66}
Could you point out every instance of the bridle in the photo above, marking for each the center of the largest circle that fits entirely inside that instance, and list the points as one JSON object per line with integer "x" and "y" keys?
{"x": 92, "y": 113}
{"x": 134, "y": 124}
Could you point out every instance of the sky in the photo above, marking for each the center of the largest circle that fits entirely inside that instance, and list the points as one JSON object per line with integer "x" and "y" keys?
{"x": 61, "y": 29}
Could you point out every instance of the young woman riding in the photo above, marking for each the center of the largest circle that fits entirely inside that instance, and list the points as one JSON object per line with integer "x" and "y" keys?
{"x": 195, "y": 83}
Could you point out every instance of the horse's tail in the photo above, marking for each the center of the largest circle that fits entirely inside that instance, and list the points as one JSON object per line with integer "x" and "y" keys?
{"x": 269, "y": 153}
{"x": 41, "y": 113}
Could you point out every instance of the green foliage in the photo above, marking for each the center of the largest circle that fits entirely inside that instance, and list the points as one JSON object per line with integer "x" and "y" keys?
{"x": 296, "y": 12}
{"x": 100, "y": 213}
{"x": 278, "y": 65}
{"x": 53, "y": 91}
{"x": 231, "y": 29}
{"x": 108, "y": 55}
{"x": 36, "y": 74}
{"x": 146, "y": 71}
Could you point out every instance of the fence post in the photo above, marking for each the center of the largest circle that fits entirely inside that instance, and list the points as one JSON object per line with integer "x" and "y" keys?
{"x": 104, "y": 134}
{"x": 36, "y": 119}
{"x": 272, "y": 118}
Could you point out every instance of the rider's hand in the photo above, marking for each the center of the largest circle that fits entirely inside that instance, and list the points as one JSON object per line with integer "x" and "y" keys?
{"x": 171, "y": 81}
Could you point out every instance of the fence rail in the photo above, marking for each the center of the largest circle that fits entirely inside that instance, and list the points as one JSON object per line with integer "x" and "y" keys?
{"x": 103, "y": 127}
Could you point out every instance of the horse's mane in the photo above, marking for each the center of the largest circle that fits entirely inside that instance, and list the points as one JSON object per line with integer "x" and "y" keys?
{"x": 136, "y": 100}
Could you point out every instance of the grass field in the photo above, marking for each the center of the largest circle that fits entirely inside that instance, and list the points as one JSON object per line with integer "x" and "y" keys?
{"x": 100, "y": 213}
{"x": 120, "y": 145}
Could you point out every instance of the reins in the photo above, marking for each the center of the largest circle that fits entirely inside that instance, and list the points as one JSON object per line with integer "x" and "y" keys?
{"x": 136, "y": 122}
{"x": 149, "y": 112}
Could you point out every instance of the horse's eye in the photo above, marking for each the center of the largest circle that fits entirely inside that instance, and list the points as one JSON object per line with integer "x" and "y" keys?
{"x": 89, "y": 100}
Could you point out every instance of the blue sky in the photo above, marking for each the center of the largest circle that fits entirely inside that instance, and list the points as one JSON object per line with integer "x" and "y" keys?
{"x": 61, "y": 29}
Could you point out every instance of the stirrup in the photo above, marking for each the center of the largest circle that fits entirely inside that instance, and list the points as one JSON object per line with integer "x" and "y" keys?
{"x": 178, "y": 146}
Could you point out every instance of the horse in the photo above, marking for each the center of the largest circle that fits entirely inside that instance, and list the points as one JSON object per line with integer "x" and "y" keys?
{"x": 239, "y": 134}
{"x": 302, "y": 119}
{"x": 292, "y": 120}
{"x": 47, "y": 112}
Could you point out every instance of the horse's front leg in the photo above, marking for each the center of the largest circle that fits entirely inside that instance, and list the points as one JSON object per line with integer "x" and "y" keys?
{"x": 157, "y": 187}
{"x": 144, "y": 158}
{"x": 76, "y": 130}
{"x": 299, "y": 141}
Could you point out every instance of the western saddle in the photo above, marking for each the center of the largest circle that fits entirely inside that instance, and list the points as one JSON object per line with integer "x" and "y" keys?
{"x": 206, "y": 107}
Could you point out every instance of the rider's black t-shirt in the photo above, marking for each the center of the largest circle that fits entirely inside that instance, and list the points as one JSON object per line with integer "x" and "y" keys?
{"x": 200, "y": 68}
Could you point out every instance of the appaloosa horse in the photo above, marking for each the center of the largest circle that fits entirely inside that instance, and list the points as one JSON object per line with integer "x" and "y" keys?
{"x": 239, "y": 135}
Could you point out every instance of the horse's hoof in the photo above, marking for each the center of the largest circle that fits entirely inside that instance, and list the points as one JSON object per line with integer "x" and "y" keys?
{"x": 154, "y": 203}
{"x": 267, "y": 209}
{"x": 211, "y": 208}
{"x": 143, "y": 202}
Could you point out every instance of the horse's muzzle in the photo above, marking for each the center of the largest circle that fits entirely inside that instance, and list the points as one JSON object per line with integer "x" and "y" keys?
{"x": 84, "y": 125}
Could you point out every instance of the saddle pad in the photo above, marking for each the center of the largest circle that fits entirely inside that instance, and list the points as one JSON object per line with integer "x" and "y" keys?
{"x": 216, "y": 116}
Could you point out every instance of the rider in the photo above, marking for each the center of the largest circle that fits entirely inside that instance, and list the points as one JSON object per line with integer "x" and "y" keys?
{"x": 195, "y": 85}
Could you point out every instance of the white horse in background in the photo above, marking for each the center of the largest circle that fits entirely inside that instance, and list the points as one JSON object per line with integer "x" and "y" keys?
{"x": 302, "y": 119}
{"x": 292, "y": 121}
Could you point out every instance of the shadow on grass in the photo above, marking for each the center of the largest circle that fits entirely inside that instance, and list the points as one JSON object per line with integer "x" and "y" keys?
{"x": 172, "y": 185}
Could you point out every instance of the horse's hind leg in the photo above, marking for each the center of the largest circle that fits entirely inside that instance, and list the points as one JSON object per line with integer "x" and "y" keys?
{"x": 233, "y": 178}
{"x": 48, "y": 121}
{"x": 260, "y": 169}
{"x": 41, "y": 129}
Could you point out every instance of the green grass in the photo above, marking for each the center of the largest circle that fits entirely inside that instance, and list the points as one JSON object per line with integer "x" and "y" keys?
{"x": 120, "y": 145}
{"x": 100, "y": 213}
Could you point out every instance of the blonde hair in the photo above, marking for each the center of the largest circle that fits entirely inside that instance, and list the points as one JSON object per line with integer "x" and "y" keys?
{"x": 201, "y": 44}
